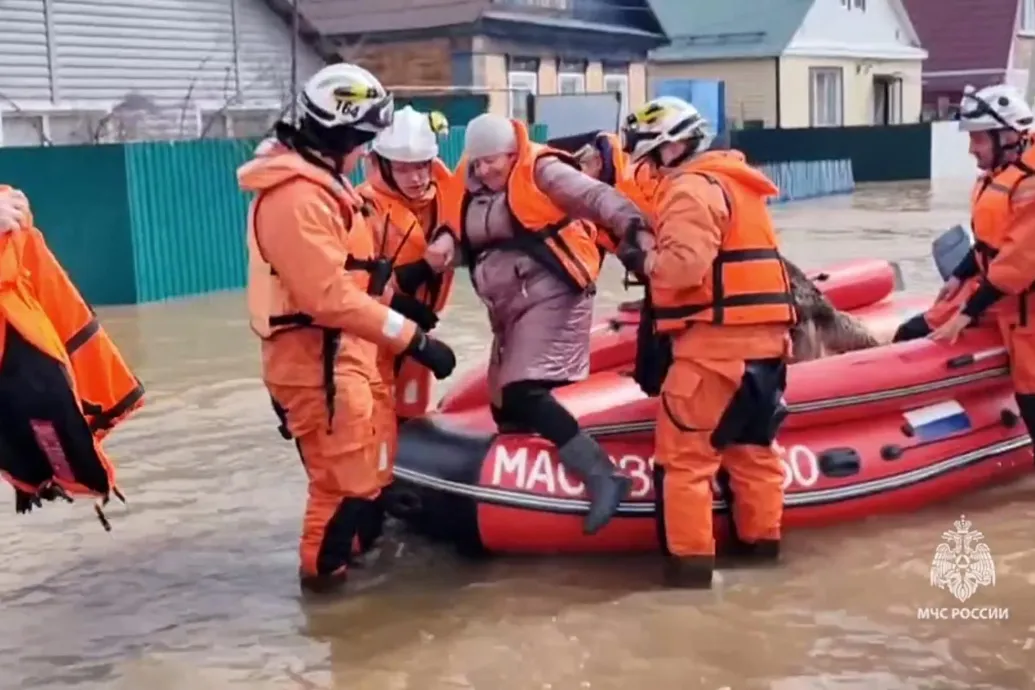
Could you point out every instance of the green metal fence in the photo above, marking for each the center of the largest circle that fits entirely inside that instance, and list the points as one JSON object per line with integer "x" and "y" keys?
{"x": 144, "y": 222}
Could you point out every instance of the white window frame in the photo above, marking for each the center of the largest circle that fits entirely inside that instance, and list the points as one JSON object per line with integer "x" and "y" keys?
{"x": 1027, "y": 22}
{"x": 518, "y": 82}
{"x": 572, "y": 79}
{"x": 621, "y": 81}
{"x": 826, "y": 97}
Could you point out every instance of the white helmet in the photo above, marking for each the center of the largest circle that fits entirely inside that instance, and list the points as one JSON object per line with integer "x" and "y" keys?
{"x": 412, "y": 138}
{"x": 994, "y": 107}
{"x": 662, "y": 120}
{"x": 347, "y": 95}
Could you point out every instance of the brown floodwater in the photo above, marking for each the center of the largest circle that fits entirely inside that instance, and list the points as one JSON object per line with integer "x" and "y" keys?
{"x": 196, "y": 586}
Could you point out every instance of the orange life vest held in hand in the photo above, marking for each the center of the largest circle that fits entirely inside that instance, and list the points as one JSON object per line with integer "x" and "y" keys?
{"x": 622, "y": 175}
{"x": 747, "y": 283}
{"x": 992, "y": 215}
{"x": 63, "y": 384}
{"x": 566, "y": 247}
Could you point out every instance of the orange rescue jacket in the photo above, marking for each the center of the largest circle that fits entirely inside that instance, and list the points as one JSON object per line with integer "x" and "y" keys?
{"x": 310, "y": 262}
{"x": 398, "y": 235}
{"x": 993, "y": 217}
{"x": 565, "y": 246}
{"x": 63, "y": 384}
{"x": 747, "y": 283}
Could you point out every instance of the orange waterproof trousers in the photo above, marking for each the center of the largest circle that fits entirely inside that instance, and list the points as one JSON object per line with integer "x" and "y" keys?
{"x": 695, "y": 398}
{"x": 341, "y": 460}
{"x": 1019, "y": 339}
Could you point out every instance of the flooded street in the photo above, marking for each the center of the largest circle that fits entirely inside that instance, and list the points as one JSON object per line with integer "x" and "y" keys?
{"x": 196, "y": 586}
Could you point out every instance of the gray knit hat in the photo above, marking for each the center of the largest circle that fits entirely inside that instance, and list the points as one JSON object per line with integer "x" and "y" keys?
{"x": 489, "y": 135}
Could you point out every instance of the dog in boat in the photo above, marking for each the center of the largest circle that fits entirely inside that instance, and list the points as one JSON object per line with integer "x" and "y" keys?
{"x": 822, "y": 328}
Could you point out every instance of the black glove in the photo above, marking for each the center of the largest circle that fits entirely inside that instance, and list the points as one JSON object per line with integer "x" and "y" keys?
{"x": 431, "y": 353}
{"x": 415, "y": 310}
{"x": 410, "y": 277}
{"x": 629, "y": 251}
{"x": 632, "y": 257}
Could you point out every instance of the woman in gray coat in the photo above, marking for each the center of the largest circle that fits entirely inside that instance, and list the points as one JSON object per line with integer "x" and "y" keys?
{"x": 540, "y": 323}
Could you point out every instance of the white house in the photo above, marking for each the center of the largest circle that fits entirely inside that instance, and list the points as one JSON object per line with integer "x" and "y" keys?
{"x": 797, "y": 63}
{"x": 81, "y": 71}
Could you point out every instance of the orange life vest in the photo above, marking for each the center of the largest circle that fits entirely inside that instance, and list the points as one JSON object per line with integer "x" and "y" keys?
{"x": 566, "y": 247}
{"x": 620, "y": 174}
{"x": 992, "y": 213}
{"x": 63, "y": 383}
{"x": 272, "y": 310}
{"x": 399, "y": 237}
{"x": 747, "y": 283}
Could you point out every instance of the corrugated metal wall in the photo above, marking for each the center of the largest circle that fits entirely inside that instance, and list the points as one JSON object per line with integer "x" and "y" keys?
{"x": 188, "y": 217}
{"x": 23, "y": 51}
{"x": 157, "y": 61}
{"x": 24, "y": 66}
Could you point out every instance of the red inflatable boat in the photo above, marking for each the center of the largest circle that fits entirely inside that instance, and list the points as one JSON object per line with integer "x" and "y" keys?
{"x": 884, "y": 430}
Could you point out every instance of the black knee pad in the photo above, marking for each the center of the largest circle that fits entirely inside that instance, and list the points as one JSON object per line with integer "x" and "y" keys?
{"x": 757, "y": 410}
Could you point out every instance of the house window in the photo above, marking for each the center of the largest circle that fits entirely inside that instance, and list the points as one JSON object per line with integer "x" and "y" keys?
{"x": 570, "y": 83}
{"x": 571, "y": 76}
{"x": 521, "y": 85}
{"x": 619, "y": 83}
{"x": 1028, "y": 16}
{"x": 826, "y": 97}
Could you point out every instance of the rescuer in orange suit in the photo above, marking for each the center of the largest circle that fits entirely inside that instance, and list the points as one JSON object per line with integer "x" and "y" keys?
{"x": 63, "y": 384}
{"x": 410, "y": 189}
{"x": 721, "y": 293}
{"x": 999, "y": 273}
{"x": 314, "y": 291}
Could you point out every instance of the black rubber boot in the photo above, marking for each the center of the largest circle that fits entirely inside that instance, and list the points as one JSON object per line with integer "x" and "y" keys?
{"x": 763, "y": 552}
{"x": 689, "y": 572}
{"x": 606, "y": 486}
{"x": 323, "y": 585}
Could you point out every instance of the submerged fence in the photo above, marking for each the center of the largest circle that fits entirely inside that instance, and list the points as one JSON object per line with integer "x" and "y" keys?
{"x": 142, "y": 222}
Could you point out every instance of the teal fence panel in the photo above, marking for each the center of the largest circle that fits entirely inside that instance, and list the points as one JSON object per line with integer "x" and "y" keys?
{"x": 188, "y": 216}
{"x": 809, "y": 179}
{"x": 80, "y": 202}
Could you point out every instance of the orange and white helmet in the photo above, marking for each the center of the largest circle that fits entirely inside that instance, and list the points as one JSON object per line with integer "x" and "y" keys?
{"x": 346, "y": 95}
{"x": 663, "y": 120}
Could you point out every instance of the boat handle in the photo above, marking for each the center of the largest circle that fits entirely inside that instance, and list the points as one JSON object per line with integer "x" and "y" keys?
{"x": 960, "y": 361}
